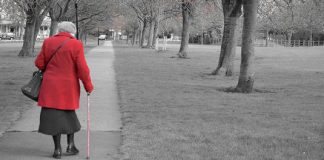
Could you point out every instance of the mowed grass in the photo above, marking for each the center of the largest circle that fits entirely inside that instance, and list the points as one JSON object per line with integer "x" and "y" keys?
{"x": 173, "y": 109}
{"x": 16, "y": 72}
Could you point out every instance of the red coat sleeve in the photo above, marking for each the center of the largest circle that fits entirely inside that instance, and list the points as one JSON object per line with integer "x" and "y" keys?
{"x": 40, "y": 60}
{"x": 83, "y": 70}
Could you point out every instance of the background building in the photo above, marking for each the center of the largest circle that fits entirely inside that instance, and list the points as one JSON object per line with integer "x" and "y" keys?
{"x": 9, "y": 25}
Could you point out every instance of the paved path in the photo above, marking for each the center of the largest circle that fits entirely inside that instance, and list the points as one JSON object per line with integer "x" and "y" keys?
{"x": 22, "y": 142}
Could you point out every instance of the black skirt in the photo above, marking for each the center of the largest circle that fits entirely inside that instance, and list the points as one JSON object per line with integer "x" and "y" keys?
{"x": 54, "y": 121}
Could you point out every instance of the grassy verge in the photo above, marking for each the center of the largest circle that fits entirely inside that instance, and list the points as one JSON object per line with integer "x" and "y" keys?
{"x": 15, "y": 72}
{"x": 173, "y": 108}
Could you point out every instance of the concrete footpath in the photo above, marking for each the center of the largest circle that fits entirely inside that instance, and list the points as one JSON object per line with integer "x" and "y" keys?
{"x": 23, "y": 142}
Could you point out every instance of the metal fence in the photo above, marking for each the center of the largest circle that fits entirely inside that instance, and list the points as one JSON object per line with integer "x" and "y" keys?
{"x": 17, "y": 41}
{"x": 286, "y": 43}
{"x": 257, "y": 42}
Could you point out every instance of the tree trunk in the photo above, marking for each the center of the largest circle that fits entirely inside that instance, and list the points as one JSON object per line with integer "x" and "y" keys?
{"x": 151, "y": 35}
{"x": 311, "y": 38}
{"x": 139, "y": 35}
{"x": 85, "y": 38}
{"x": 267, "y": 37}
{"x": 38, "y": 24}
{"x": 81, "y": 34}
{"x": 229, "y": 40}
{"x": 289, "y": 35}
{"x": 143, "y": 33}
{"x": 127, "y": 39}
{"x": 202, "y": 37}
{"x": 228, "y": 47}
{"x": 134, "y": 37}
{"x": 246, "y": 78}
{"x": 53, "y": 27}
{"x": 156, "y": 31}
{"x": 186, "y": 8}
{"x": 37, "y": 27}
{"x": 27, "y": 48}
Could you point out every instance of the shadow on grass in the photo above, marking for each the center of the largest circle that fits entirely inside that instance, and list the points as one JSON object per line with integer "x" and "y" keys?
{"x": 233, "y": 90}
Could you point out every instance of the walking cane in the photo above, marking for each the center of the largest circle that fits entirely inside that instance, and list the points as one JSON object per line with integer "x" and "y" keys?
{"x": 88, "y": 126}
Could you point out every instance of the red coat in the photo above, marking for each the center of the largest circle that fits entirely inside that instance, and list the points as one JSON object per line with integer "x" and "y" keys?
{"x": 60, "y": 88}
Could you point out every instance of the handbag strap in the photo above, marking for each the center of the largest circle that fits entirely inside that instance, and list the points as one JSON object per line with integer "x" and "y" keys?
{"x": 59, "y": 47}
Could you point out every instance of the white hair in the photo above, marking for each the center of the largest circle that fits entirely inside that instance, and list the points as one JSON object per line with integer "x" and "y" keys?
{"x": 66, "y": 26}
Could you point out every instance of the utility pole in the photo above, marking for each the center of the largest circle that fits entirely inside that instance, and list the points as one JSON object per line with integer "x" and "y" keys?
{"x": 98, "y": 36}
{"x": 76, "y": 18}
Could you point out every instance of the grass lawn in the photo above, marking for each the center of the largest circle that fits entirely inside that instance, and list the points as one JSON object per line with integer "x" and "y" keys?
{"x": 15, "y": 72}
{"x": 173, "y": 109}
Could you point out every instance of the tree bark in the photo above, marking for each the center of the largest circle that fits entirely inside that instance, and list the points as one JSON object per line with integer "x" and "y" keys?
{"x": 232, "y": 12}
{"x": 127, "y": 39}
{"x": 289, "y": 35}
{"x": 267, "y": 37}
{"x": 311, "y": 38}
{"x": 85, "y": 38}
{"x": 151, "y": 35}
{"x": 186, "y": 18}
{"x": 134, "y": 36}
{"x": 156, "y": 31}
{"x": 202, "y": 37}
{"x": 57, "y": 14}
{"x": 53, "y": 27}
{"x": 38, "y": 24}
{"x": 139, "y": 34}
{"x": 246, "y": 78}
{"x": 35, "y": 16}
{"x": 143, "y": 33}
{"x": 27, "y": 48}
{"x": 228, "y": 48}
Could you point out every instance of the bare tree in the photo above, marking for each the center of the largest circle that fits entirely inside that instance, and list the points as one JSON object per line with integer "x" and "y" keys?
{"x": 150, "y": 13}
{"x": 35, "y": 11}
{"x": 132, "y": 25}
{"x": 310, "y": 17}
{"x": 207, "y": 21}
{"x": 57, "y": 13}
{"x": 141, "y": 9}
{"x": 285, "y": 17}
{"x": 265, "y": 21}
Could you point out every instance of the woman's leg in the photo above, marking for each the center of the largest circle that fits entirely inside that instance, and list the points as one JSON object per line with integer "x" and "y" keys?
{"x": 57, "y": 144}
{"x": 71, "y": 145}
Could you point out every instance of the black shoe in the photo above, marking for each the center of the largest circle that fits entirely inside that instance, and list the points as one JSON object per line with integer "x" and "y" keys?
{"x": 57, "y": 154}
{"x": 72, "y": 150}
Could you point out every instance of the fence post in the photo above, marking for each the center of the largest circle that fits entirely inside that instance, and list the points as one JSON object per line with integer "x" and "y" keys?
{"x": 298, "y": 43}
{"x": 165, "y": 43}
{"x": 157, "y": 44}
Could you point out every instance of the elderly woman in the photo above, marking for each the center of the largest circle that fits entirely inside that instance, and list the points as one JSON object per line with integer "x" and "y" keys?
{"x": 60, "y": 90}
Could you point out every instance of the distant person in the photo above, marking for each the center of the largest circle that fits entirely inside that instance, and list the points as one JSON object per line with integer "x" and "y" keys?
{"x": 59, "y": 94}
